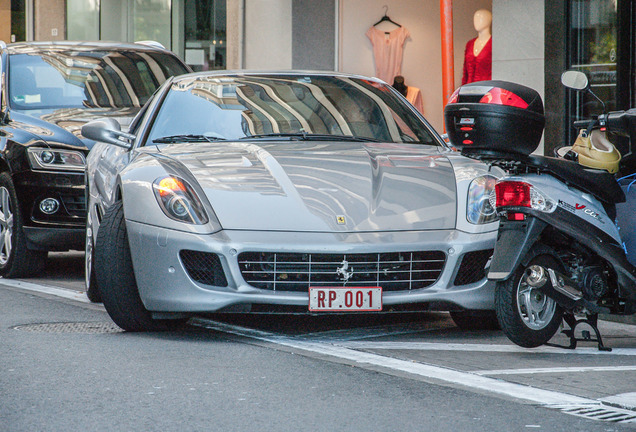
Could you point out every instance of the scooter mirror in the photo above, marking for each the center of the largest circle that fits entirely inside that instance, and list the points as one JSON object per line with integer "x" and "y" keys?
{"x": 575, "y": 80}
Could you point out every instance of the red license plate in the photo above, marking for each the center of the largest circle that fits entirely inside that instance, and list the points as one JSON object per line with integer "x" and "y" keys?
{"x": 345, "y": 299}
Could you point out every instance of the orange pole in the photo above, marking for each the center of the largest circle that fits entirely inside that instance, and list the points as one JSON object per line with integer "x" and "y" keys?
{"x": 448, "y": 69}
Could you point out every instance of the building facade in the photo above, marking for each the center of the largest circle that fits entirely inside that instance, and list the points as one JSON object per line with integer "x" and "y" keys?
{"x": 533, "y": 40}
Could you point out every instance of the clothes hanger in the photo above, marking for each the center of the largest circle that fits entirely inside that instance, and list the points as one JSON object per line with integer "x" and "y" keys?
{"x": 386, "y": 18}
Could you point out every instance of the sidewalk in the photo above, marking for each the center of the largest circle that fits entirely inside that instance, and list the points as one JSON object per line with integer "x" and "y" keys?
{"x": 630, "y": 319}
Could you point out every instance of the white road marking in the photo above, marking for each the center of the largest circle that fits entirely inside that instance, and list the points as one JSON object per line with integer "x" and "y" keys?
{"x": 555, "y": 370}
{"x": 433, "y": 373}
{"x": 59, "y": 292}
{"x": 432, "y": 346}
{"x": 338, "y": 347}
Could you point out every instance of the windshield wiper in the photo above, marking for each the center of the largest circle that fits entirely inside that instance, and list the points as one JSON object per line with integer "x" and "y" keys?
{"x": 186, "y": 138}
{"x": 303, "y": 136}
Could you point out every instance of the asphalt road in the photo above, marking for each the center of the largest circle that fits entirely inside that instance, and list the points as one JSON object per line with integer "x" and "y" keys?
{"x": 66, "y": 367}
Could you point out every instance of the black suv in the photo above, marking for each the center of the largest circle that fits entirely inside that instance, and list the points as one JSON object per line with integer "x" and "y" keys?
{"x": 48, "y": 91}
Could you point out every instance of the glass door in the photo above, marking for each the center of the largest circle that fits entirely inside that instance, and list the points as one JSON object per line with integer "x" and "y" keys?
{"x": 205, "y": 34}
{"x": 18, "y": 21}
{"x": 593, "y": 49}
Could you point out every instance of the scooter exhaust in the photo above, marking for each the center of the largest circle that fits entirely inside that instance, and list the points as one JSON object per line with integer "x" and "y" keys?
{"x": 538, "y": 276}
{"x": 559, "y": 287}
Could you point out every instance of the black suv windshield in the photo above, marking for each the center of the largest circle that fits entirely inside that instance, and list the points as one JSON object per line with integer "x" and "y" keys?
{"x": 91, "y": 78}
{"x": 290, "y": 107}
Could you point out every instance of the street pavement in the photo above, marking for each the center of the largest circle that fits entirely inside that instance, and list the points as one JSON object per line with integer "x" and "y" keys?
{"x": 428, "y": 347}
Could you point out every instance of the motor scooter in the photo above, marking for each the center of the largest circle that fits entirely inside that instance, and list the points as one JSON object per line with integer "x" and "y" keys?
{"x": 561, "y": 254}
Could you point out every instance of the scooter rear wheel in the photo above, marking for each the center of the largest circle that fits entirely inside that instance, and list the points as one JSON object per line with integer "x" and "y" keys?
{"x": 527, "y": 316}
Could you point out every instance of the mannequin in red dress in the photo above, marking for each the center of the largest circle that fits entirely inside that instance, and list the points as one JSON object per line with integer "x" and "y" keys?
{"x": 478, "y": 54}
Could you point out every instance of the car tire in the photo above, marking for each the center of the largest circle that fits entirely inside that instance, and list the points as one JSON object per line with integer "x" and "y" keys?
{"x": 528, "y": 317}
{"x": 475, "y": 319}
{"x": 16, "y": 259}
{"x": 116, "y": 278}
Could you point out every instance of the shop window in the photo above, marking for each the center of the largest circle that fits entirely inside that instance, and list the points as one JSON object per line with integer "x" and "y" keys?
{"x": 150, "y": 20}
{"x": 593, "y": 49}
{"x": 82, "y": 19}
{"x": 205, "y": 34}
{"x": 18, "y": 20}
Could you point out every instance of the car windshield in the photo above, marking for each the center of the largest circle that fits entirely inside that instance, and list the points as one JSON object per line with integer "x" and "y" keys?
{"x": 87, "y": 78}
{"x": 286, "y": 107}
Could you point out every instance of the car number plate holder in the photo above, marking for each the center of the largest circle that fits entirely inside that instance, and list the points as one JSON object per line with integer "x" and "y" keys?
{"x": 345, "y": 299}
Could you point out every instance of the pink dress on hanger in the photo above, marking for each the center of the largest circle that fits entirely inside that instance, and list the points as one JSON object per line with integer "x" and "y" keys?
{"x": 387, "y": 51}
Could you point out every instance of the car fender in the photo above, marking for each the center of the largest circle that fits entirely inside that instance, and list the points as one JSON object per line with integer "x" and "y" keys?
{"x": 466, "y": 170}
{"x": 135, "y": 183}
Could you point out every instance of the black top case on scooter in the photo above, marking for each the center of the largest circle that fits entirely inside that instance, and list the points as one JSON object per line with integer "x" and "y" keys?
{"x": 495, "y": 117}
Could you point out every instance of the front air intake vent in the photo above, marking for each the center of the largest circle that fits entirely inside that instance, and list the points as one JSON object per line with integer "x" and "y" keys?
{"x": 203, "y": 267}
{"x": 473, "y": 267}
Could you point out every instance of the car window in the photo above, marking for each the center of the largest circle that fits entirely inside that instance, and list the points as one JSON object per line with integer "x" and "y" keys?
{"x": 240, "y": 107}
{"x": 94, "y": 79}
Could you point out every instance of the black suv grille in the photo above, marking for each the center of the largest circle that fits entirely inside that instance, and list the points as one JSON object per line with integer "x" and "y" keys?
{"x": 75, "y": 205}
{"x": 396, "y": 271}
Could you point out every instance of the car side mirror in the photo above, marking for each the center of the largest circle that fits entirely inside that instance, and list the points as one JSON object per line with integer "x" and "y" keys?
{"x": 107, "y": 130}
{"x": 575, "y": 80}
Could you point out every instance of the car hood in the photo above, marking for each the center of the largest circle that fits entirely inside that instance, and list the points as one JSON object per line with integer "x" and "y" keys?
{"x": 63, "y": 126}
{"x": 323, "y": 187}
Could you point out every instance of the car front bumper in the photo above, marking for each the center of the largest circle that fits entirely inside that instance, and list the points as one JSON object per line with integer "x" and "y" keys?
{"x": 65, "y": 228}
{"x": 165, "y": 285}
{"x": 55, "y": 239}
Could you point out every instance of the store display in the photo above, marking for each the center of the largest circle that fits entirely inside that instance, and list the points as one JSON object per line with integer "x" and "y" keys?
{"x": 478, "y": 52}
{"x": 388, "y": 47}
{"x": 412, "y": 94}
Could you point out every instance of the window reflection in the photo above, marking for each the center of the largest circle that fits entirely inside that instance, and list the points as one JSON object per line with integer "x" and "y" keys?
{"x": 233, "y": 107}
{"x": 95, "y": 79}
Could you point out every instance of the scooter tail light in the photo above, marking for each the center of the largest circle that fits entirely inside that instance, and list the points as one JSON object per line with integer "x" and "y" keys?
{"x": 511, "y": 216}
{"x": 513, "y": 194}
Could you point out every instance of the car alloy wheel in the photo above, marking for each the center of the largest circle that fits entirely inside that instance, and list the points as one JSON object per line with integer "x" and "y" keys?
{"x": 6, "y": 226}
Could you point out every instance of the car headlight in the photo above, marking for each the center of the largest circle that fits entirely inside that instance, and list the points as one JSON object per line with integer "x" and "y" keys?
{"x": 56, "y": 159}
{"x": 479, "y": 209}
{"x": 178, "y": 200}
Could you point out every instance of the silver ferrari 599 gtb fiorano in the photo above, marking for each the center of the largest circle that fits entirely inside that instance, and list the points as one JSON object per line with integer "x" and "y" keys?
{"x": 283, "y": 191}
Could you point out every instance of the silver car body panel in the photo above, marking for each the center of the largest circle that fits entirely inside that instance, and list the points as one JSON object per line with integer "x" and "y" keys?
{"x": 156, "y": 240}
{"x": 305, "y": 186}
{"x": 164, "y": 284}
{"x": 300, "y": 196}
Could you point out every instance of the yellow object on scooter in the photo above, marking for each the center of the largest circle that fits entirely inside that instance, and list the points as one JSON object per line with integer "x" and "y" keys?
{"x": 596, "y": 151}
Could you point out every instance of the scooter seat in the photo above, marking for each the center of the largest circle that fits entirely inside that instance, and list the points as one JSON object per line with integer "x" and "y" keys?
{"x": 597, "y": 182}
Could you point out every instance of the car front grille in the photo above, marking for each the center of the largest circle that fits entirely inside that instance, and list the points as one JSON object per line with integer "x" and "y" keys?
{"x": 75, "y": 205}
{"x": 396, "y": 271}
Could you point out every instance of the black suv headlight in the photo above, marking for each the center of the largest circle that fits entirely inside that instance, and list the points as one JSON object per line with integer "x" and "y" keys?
{"x": 56, "y": 159}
